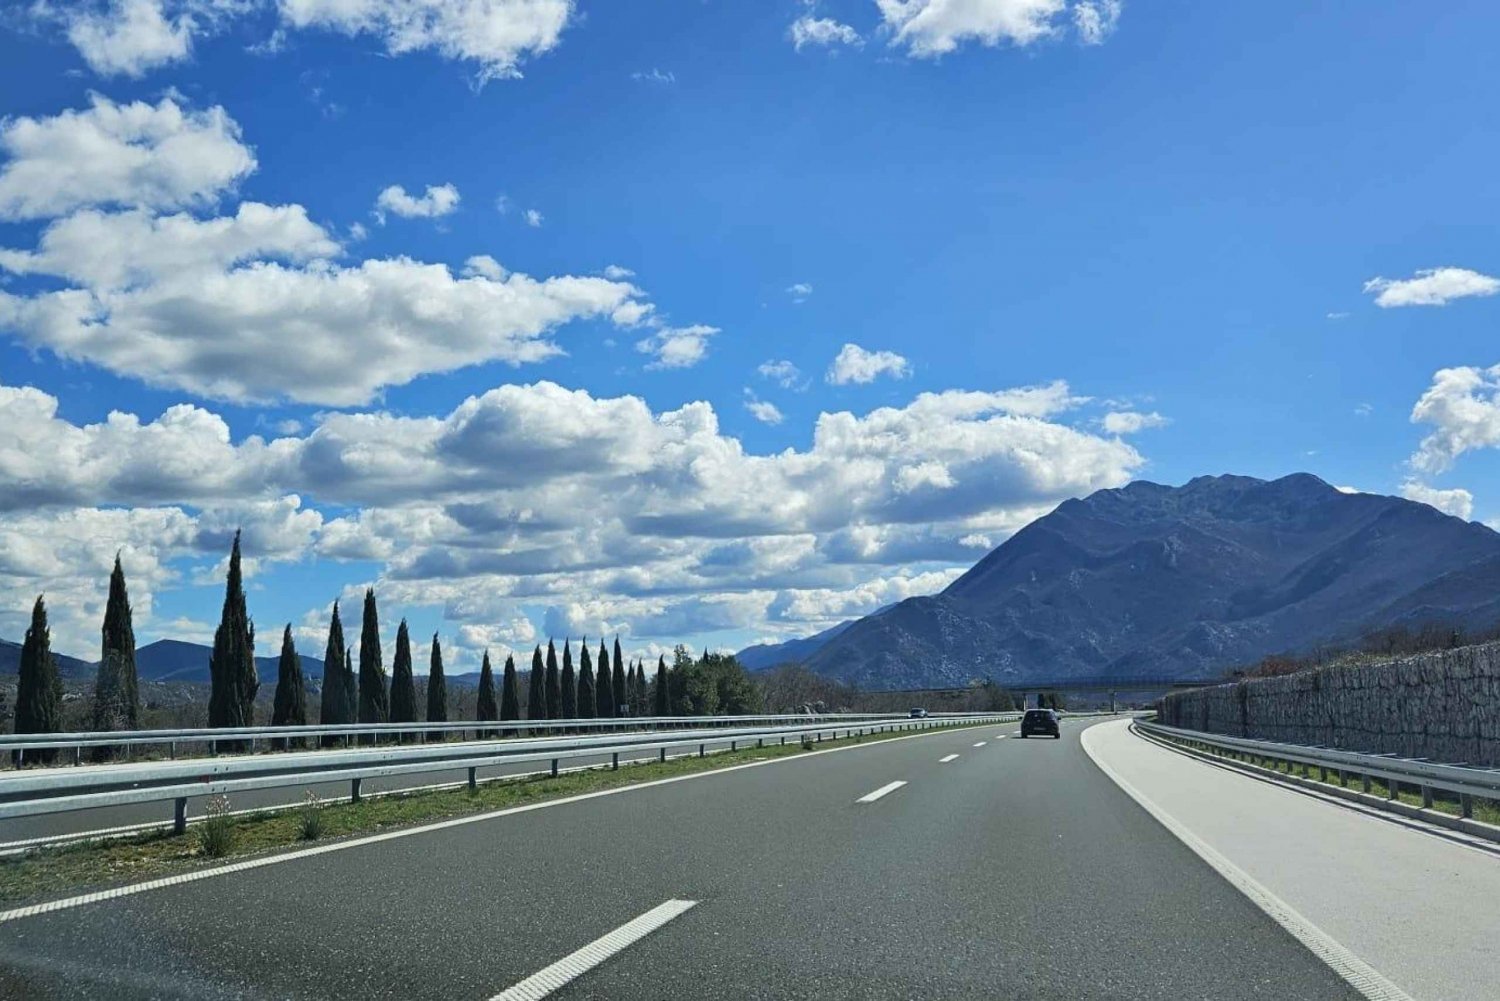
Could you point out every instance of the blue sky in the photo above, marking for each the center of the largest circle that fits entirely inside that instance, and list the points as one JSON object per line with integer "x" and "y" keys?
{"x": 705, "y": 321}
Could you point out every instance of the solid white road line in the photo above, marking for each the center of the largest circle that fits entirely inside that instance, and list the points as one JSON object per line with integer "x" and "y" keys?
{"x": 1360, "y": 975}
{"x": 47, "y": 907}
{"x": 981, "y": 743}
{"x": 571, "y": 967}
{"x": 884, "y": 790}
{"x": 944, "y": 761}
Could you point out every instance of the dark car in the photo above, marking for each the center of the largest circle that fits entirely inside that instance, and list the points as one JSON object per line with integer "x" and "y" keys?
{"x": 1039, "y": 721}
{"x": 918, "y": 714}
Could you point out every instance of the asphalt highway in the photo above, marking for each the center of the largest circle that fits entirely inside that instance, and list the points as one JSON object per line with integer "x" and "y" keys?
{"x": 889, "y": 870}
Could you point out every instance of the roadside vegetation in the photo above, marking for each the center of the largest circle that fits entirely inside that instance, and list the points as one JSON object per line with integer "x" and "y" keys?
{"x": 52, "y": 872}
{"x": 1375, "y": 647}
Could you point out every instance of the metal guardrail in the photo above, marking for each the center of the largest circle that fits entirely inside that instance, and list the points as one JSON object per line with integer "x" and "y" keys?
{"x": 76, "y": 742}
{"x": 1463, "y": 781}
{"x": 62, "y": 789}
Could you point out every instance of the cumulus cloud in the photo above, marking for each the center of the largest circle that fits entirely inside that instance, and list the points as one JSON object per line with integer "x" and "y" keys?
{"x": 131, "y": 37}
{"x": 256, "y": 306}
{"x": 547, "y": 496}
{"x": 783, "y": 373}
{"x": 1457, "y": 501}
{"x": 677, "y": 347}
{"x": 855, "y": 364}
{"x": 1463, "y": 407}
{"x": 438, "y": 201}
{"x": 1129, "y": 421}
{"x": 822, "y": 31}
{"x": 1095, "y": 20}
{"x": 762, "y": 410}
{"x": 929, "y": 28}
{"x": 1433, "y": 287}
{"x": 135, "y": 155}
{"x": 533, "y": 218}
{"x": 799, "y": 291}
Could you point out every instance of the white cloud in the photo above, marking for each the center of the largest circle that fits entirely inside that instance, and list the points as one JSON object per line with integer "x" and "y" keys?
{"x": 543, "y": 496}
{"x": 1433, "y": 287}
{"x": 113, "y": 250}
{"x": 325, "y": 334}
{"x": 1457, "y": 502}
{"x": 677, "y": 347}
{"x": 439, "y": 200}
{"x": 615, "y": 273}
{"x": 824, "y": 31}
{"x": 1363, "y": 410}
{"x": 1463, "y": 405}
{"x": 763, "y": 410}
{"x": 654, "y": 75}
{"x": 134, "y": 155}
{"x": 533, "y": 218}
{"x": 783, "y": 373}
{"x": 498, "y": 35}
{"x": 1096, "y": 20}
{"x": 130, "y": 37}
{"x": 800, "y": 291}
{"x": 930, "y": 28}
{"x": 1129, "y": 421}
{"x": 855, "y": 364}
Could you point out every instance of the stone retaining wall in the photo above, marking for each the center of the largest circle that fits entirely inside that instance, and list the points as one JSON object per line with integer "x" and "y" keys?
{"x": 1443, "y": 705}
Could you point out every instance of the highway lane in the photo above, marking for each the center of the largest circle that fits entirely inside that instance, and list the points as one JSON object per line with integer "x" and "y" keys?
{"x": 1015, "y": 870}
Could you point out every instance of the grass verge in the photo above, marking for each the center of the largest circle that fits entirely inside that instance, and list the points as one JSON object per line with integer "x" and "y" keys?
{"x": 88, "y": 866}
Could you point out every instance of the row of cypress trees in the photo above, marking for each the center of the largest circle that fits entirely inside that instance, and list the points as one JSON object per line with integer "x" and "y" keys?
{"x": 601, "y": 688}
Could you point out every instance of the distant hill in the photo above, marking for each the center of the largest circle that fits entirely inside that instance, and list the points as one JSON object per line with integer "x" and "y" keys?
{"x": 176, "y": 660}
{"x": 767, "y": 655}
{"x": 164, "y": 660}
{"x": 68, "y": 667}
{"x": 1182, "y": 582}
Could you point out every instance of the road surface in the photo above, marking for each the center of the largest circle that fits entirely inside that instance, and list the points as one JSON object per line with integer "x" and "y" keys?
{"x": 1016, "y": 869}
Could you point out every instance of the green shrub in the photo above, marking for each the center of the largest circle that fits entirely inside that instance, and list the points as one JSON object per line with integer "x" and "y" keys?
{"x": 216, "y": 834}
{"x": 310, "y": 817}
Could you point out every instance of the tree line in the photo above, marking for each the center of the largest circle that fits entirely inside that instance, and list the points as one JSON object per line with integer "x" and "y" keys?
{"x": 600, "y": 686}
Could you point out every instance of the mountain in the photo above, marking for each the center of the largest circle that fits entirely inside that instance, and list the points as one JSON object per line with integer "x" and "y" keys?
{"x": 1152, "y": 581}
{"x": 175, "y": 660}
{"x": 67, "y": 667}
{"x": 767, "y": 655}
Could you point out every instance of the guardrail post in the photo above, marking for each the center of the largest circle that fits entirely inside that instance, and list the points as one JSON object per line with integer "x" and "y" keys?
{"x": 78, "y": 755}
{"x": 554, "y": 768}
{"x": 473, "y": 779}
{"x": 1427, "y": 797}
{"x": 179, "y": 816}
{"x": 614, "y": 762}
{"x": 1466, "y": 805}
{"x": 172, "y": 749}
{"x": 354, "y": 790}
{"x": 1391, "y": 790}
{"x": 1364, "y": 781}
{"x": 700, "y": 750}
{"x": 734, "y": 745}
{"x": 760, "y": 742}
{"x": 663, "y": 752}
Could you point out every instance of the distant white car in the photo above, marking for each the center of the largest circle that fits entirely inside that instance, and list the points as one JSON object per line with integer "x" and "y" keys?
{"x": 917, "y": 714}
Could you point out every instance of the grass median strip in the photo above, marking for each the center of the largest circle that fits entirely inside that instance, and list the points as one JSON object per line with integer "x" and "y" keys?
{"x": 49, "y": 872}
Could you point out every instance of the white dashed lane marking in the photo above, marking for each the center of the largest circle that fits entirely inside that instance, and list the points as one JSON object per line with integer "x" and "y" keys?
{"x": 884, "y": 790}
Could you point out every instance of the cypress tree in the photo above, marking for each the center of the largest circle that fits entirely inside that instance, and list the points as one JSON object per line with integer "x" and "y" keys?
{"x": 350, "y": 688}
{"x": 290, "y": 706}
{"x": 437, "y": 687}
{"x": 536, "y": 688}
{"x": 510, "y": 696}
{"x": 661, "y": 686}
{"x": 641, "y": 706}
{"x": 568, "y": 696}
{"x": 331, "y": 709}
{"x": 403, "y": 685}
{"x": 587, "y": 698}
{"x": 620, "y": 693}
{"x": 486, "y": 709}
{"x": 117, "y": 704}
{"x": 374, "y": 701}
{"x": 554, "y": 684}
{"x": 38, "y": 686}
{"x": 604, "y": 686}
{"x": 231, "y": 666}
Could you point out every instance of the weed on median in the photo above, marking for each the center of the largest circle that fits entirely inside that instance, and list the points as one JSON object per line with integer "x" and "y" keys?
{"x": 51, "y": 872}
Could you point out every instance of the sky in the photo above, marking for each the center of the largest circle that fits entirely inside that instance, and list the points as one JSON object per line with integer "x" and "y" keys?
{"x": 704, "y": 321}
